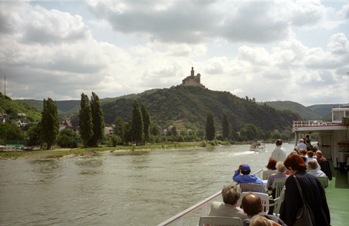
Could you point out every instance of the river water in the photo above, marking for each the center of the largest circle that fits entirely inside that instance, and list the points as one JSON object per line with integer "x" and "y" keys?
{"x": 132, "y": 188}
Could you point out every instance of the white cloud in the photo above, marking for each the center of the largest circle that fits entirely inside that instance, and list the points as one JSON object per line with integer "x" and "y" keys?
{"x": 250, "y": 48}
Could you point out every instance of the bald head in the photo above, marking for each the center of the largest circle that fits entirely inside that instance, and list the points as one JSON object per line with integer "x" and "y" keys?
{"x": 251, "y": 204}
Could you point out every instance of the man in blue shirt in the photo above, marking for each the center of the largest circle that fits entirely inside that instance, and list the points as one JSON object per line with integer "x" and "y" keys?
{"x": 242, "y": 176}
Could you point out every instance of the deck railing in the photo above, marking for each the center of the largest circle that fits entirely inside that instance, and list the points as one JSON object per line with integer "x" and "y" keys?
{"x": 197, "y": 210}
{"x": 314, "y": 123}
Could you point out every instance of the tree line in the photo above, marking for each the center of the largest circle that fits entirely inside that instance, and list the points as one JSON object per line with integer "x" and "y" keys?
{"x": 139, "y": 131}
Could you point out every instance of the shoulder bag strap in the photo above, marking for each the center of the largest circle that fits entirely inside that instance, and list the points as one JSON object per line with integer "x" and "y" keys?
{"x": 300, "y": 190}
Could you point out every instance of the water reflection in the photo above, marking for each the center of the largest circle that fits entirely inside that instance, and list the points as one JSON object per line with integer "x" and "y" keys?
{"x": 90, "y": 165}
{"x": 45, "y": 170}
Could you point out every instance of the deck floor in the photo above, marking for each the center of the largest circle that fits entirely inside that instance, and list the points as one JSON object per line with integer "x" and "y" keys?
{"x": 337, "y": 194}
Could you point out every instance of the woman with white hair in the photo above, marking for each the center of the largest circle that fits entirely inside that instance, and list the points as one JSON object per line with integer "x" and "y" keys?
{"x": 314, "y": 169}
{"x": 228, "y": 208}
{"x": 281, "y": 173}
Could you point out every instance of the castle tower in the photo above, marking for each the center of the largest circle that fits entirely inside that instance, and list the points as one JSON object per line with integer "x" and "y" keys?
{"x": 192, "y": 80}
{"x": 192, "y": 72}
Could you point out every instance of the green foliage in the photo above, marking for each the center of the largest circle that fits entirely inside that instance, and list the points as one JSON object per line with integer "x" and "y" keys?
{"x": 85, "y": 120}
{"x": 68, "y": 138}
{"x": 249, "y": 132}
{"x": 225, "y": 127}
{"x": 173, "y": 131}
{"x": 116, "y": 140}
{"x": 137, "y": 124}
{"x": 210, "y": 127}
{"x": 119, "y": 128}
{"x": 13, "y": 108}
{"x": 190, "y": 105}
{"x": 234, "y": 135}
{"x": 34, "y": 135}
{"x": 304, "y": 112}
{"x": 146, "y": 122}
{"x": 97, "y": 121}
{"x": 322, "y": 110}
{"x": 9, "y": 131}
{"x": 49, "y": 123}
{"x": 154, "y": 130}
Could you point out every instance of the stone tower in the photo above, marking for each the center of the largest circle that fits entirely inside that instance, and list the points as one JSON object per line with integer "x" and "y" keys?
{"x": 192, "y": 80}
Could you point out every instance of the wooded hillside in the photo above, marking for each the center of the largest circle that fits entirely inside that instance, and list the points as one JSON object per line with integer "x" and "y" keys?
{"x": 188, "y": 107}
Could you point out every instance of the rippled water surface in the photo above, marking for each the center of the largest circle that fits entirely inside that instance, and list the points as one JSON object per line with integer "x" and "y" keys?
{"x": 135, "y": 188}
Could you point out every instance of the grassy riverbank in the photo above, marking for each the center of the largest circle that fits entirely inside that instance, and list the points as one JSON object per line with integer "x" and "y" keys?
{"x": 60, "y": 153}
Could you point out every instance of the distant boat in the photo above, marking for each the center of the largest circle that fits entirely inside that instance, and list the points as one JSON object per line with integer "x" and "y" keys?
{"x": 258, "y": 146}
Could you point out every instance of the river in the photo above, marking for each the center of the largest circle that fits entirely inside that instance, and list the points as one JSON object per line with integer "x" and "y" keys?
{"x": 133, "y": 188}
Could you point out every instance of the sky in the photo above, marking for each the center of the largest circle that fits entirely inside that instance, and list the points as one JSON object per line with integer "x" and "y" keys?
{"x": 282, "y": 50}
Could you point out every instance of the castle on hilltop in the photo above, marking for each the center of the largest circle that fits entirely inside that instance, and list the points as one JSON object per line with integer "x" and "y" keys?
{"x": 192, "y": 80}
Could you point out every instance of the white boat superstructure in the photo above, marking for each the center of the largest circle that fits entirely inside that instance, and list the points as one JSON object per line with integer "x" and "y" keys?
{"x": 332, "y": 136}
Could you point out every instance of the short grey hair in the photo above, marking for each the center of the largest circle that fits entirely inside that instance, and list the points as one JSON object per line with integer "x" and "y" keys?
{"x": 280, "y": 167}
{"x": 231, "y": 194}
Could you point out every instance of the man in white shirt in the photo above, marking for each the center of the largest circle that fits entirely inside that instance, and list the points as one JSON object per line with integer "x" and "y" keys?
{"x": 301, "y": 145}
{"x": 279, "y": 153}
{"x": 314, "y": 170}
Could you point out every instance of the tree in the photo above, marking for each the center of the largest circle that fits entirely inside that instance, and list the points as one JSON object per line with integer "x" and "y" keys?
{"x": 249, "y": 132}
{"x": 67, "y": 138}
{"x": 85, "y": 120}
{"x": 119, "y": 128}
{"x": 9, "y": 131}
{"x": 137, "y": 126}
{"x": 173, "y": 131}
{"x": 128, "y": 132}
{"x": 225, "y": 127}
{"x": 233, "y": 134}
{"x": 49, "y": 123}
{"x": 97, "y": 121}
{"x": 33, "y": 135}
{"x": 146, "y": 122}
{"x": 154, "y": 130}
{"x": 210, "y": 127}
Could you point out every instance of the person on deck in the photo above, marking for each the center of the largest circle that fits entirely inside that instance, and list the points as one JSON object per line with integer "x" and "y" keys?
{"x": 301, "y": 145}
{"x": 252, "y": 206}
{"x": 281, "y": 173}
{"x": 260, "y": 220}
{"x": 279, "y": 153}
{"x": 319, "y": 156}
{"x": 310, "y": 156}
{"x": 227, "y": 208}
{"x": 242, "y": 176}
{"x": 270, "y": 169}
{"x": 313, "y": 169}
{"x": 324, "y": 164}
{"x": 313, "y": 193}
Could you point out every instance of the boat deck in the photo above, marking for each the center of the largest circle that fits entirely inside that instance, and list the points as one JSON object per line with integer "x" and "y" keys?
{"x": 337, "y": 194}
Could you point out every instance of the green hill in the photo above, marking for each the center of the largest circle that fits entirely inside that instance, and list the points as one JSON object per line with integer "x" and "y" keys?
{"x": 14, "y": 109}
{"x": 304, "y": 112}
{"x": 324, "y": 110}
{"x": 188, "y": 107}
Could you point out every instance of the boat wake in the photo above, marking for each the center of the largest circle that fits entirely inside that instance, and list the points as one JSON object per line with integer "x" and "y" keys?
{"x": 245, "y": 153}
